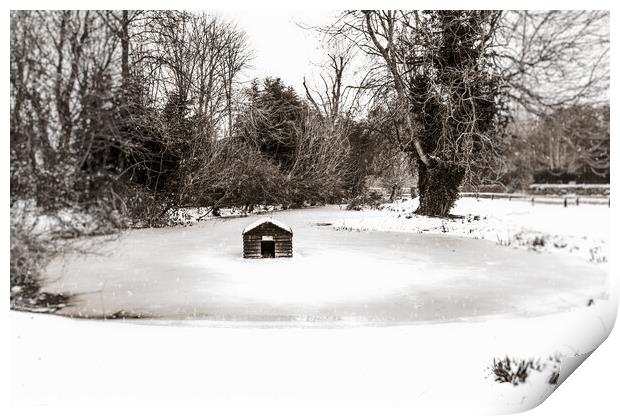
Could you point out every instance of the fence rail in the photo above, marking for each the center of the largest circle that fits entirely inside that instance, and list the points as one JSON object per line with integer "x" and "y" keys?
{"x": 565, "y": 200}
{"x": 567, "y": 186}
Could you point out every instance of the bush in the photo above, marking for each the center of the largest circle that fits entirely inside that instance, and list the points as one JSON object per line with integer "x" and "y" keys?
{"x": 29, "y": 255}
{"x": 597, "y": 255}
{"x": 514, "y": 370}
{"x": 366, "y": 200}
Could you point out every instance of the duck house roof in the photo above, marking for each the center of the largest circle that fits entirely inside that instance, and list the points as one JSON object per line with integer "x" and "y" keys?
{"x": 266, "y": 220}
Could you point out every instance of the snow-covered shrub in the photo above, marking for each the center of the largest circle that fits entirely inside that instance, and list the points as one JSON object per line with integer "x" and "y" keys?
{"x": 189, "y": 216}
{"x": 538, "y": 242}
{"x": 597, "y": 255}
{"x": 514, "y": 370}
{"x": 517, "y": 370}
{"x": 367, "y": 200}
{"x": 505, "y": 239}
{"x": 555, "y": 361}
{"x": 30, "y": 253}
{"x": 530, "y": 240}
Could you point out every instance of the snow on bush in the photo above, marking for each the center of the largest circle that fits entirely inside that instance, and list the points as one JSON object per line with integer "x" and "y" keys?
{"x": 368, "y": 200}
{"x": 517, "y": 370}
{"x": 514, "y": 370}
{"x": 189, "y": 216}
{"x": 63, "y": 223}
{"x": 31, "y": 250}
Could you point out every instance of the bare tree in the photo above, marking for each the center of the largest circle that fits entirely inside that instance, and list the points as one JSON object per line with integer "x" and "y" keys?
{"x": 554, "y": 58}
{"x": 188, "y": 65}
{"x": 63, "y": 67}
{"x": 332, "y": 97}
{"x": 454, "y": 77}
{"x": 120, "y": 96}
{"x": 432, "y": 68}
{"x": 61, "y": 64}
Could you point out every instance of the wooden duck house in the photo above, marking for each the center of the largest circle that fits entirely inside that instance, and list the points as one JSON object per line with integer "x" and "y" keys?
{"x": 267, "y": 238}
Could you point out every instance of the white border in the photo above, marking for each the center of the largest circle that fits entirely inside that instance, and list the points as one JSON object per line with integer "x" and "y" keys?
{"x": 591, "y": 390}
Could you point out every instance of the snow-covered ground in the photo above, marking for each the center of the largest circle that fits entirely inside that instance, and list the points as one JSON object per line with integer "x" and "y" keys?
{"x": 581, "y": 231}
{"x": 55, "y": 360}
{"x": 347, "y": 320}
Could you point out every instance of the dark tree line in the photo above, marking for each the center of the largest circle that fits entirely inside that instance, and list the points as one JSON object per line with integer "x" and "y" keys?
{"x": 138, "y": 113}
{"x": 116, "y": 106}
{"x": 569, "y": 144}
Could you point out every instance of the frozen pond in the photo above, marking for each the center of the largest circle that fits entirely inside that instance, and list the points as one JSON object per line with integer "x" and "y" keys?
{"x": 334, "y": 276}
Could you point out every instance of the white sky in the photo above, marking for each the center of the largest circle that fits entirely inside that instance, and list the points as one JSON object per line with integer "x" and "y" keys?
{"x": 282, "y": 48}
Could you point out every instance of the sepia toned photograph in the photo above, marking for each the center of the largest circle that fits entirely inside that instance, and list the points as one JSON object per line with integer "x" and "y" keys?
{"x": 199, "y": 198}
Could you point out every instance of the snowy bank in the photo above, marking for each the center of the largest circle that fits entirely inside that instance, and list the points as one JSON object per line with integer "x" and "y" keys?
{"x": 194, "y": 362}
{"x": 576, "y": 230}
{"x": 191, "y": 216}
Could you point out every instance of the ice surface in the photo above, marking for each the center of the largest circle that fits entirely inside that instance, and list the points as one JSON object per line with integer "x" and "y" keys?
{"x": 335, "y": 276}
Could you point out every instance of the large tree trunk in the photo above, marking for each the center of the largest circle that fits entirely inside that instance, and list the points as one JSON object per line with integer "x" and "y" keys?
{"x": 438, "y": 184}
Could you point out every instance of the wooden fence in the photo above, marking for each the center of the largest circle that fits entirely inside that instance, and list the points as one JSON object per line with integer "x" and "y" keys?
{"x": 565, "y": 200}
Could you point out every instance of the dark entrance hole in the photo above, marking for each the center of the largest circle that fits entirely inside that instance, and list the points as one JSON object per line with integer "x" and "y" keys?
{"x": 268, "y": 249}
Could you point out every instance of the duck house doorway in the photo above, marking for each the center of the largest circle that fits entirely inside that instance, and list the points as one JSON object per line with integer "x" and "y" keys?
{"x": 268, "y": 249}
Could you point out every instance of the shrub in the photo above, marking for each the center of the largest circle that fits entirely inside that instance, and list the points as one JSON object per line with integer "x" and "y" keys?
{"x": 514, "y": 370}
{"x": 29, "y": 255}
{"x": 597, "y": 255}
{"x": 556, "y": 361}
{"x": 367, "y": 200}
